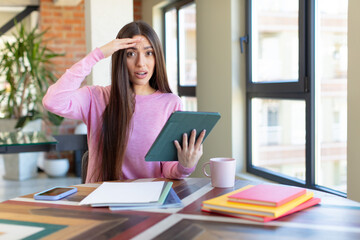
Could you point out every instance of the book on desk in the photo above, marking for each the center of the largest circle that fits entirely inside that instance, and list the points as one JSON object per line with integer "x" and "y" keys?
{"x": 296, "y": 199}
{"x": 267, "y": 195}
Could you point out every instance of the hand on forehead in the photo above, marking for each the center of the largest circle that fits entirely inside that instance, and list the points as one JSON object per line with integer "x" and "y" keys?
{"x": 139, "y": 37}
{"x": 142, "y": 41}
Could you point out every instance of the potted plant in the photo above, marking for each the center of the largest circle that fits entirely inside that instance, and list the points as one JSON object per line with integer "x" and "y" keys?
{"x": 26, "y": 67}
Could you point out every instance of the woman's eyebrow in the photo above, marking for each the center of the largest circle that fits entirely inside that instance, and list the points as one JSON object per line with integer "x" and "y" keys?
{"x": 145, "y": 48}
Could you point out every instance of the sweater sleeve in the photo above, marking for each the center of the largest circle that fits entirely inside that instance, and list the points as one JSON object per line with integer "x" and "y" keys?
{"x": 174, "y": 170}
{"x": 65, "y": 97}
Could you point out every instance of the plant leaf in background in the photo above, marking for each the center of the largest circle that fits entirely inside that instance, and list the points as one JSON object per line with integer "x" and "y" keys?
{"x": 26, "y": 67}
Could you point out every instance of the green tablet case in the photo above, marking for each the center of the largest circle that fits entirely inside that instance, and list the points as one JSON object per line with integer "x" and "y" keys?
{"x": 180, "y": 122}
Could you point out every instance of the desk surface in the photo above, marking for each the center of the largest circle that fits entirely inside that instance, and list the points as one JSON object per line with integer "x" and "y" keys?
{"x": 334, "y": 218}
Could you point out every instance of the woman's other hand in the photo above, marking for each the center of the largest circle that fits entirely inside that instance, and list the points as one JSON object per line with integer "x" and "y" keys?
{"x": 190, "y": 151}
{"x": 117, "y": 44}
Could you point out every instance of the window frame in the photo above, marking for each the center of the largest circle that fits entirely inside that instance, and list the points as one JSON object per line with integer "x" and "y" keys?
{"x": 183, "y": 90}
{"x": 304, "y": 89}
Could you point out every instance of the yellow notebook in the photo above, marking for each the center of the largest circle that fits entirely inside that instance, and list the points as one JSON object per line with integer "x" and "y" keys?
{"x": 222, "y": 203}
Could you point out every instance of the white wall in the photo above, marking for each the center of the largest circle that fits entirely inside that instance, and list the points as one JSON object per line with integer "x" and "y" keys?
{"x": 214, "y": 74}
{"x": 353, "y": 167}
{"x": 6, "y": 16}
{"x": 220, "y": 77}
{"x": 103, "y": 20}
{"x": 8, "y": 13}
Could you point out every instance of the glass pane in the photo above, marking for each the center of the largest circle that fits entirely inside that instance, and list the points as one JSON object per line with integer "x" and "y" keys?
{"x": 331, "y": 93}
{"x": 189, "y": 103}
{"x": 171, "y": 48}
{"x": 25, "y": 138}
{"x": 278, "y": 136}
{"x": 275, "y": 40}
{"x": 187, "y": 48}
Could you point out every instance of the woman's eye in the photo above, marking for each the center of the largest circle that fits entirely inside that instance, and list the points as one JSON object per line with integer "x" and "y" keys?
{"x": 131, "y": 54}
{"x": 150, "y": 53}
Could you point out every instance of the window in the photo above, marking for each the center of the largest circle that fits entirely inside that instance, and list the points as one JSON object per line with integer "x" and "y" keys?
{"x": 296, "y": 92}
{"x": 180, "y": 50}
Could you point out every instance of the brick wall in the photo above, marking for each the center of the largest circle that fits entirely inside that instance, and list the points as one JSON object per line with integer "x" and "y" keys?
{"x": 66, "y": 31}
{"x": 137, "y": 9}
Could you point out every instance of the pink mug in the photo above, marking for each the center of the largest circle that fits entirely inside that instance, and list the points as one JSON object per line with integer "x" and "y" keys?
{"x": 222, "y": 172}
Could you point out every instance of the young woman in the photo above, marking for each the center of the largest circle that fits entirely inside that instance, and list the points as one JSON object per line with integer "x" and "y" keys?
{"x": 124, "y": 119}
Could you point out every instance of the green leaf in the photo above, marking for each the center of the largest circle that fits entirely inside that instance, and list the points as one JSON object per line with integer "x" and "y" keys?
{"x": 55, "y": 119}
{"x": 25, "y": 65}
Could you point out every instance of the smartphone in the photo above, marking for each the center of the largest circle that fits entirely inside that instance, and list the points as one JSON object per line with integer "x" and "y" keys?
{"x": 55, "y": 193}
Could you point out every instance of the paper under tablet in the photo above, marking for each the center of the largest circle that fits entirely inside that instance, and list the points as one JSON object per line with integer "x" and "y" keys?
{"x": 180, "y": 122}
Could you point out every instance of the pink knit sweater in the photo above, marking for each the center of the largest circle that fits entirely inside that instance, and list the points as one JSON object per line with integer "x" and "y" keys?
{"x": 67, "y": 99}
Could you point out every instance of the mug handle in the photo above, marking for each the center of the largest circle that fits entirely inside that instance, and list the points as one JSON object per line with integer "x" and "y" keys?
{"x": 204, "y": 170}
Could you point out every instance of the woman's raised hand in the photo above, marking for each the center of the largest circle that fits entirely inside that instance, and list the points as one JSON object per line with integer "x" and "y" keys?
{"x": 190, "y": 151}
{"x": 117, "y": 44}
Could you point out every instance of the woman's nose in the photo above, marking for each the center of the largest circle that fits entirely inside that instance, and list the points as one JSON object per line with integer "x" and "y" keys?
{"x": 141, "y": 60}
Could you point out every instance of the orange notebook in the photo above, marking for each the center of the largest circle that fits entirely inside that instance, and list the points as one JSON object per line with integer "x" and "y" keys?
{"x": 222, "y": 203}
{"x": 268, "y": 195}
{"x": 307, "y": 204}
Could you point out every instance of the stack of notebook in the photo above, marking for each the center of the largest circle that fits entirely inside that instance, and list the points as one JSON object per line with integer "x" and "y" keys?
{"x": 262, "y": 202}
{"x": 133, "y": 195}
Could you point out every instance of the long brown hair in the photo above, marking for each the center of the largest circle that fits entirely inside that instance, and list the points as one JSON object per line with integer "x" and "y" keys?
{"x": 117, "y": 116}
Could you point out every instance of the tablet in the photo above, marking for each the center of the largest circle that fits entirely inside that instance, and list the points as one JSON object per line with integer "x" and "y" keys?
{"x": 180, "y": 122}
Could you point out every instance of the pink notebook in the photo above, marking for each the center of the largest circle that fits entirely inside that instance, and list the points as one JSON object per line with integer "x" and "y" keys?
{"x": 267, "y": 195}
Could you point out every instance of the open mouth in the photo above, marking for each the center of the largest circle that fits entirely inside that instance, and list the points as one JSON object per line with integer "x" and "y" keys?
{"x": 141, "y": 74}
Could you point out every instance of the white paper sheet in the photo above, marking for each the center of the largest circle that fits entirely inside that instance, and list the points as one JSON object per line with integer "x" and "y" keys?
{"x": 124, "y": 193}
